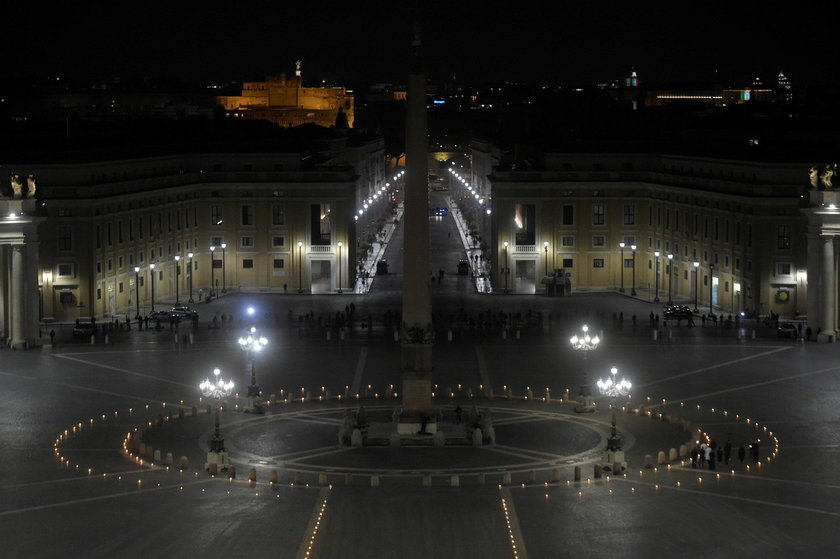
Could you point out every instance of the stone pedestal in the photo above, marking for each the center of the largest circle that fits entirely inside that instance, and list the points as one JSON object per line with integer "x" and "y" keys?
{"x": 220, "y": 458}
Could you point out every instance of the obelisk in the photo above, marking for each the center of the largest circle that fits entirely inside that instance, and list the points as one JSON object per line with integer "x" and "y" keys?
{"x": 416, "y": 332}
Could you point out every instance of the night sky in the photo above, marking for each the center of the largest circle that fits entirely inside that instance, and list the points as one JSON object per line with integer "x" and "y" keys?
{"x": 366, "y": 41}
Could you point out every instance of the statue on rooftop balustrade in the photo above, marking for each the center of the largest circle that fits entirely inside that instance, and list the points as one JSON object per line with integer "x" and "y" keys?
{"x": 827, "y": 176}
{"x": 814, "y": 177}
{"x": 30, "y": 186}
{"x": 17, "y": 185}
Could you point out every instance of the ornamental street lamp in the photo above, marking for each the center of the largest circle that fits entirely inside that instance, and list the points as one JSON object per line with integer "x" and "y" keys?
{"x": 300, "y": 266}
{"x": 585, "y": 343}
{"x": 224, "y": 280}
{"x": 212, "y": 271}
{"x": 177, "y": 279}
{"x": 545, "y": 246}
{"x": 696, "y": 273}
{"x": 670, "y": 274}
{"x": 656, "y": 277}
{"x": 633, "y": 289}
{"x": 250, "y": 344}
{"x": 339, "y": 265}
{"x": 613, "y": 388}
{"x": 216, "y": 389}
{"x": 621, "y": 289}
{"x": 190, "y": 255}
{"x": 505, "y": 269}
{"x": 152, "y": 273}
{"x": 137, "y": 293}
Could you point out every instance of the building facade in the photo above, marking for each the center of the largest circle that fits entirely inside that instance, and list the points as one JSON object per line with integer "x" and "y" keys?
{"x": 110, "y": 231}
{"x": 728, "y": 234}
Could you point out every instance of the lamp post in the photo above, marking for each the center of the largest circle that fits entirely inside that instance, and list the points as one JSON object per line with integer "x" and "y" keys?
{"x": 224, "y": 279}
{"x": 137, "y": 293}
{"x": 190, "y": 255}
{"x": 633, "y": 289}
{"x": 696, "y": 273}
{"x": 300, "y": 266}
{"x": 212, "y": 271}
{"x": 152, "y": 273}
{"x": 670, "y": 275}
{"x": 613, "y": 388}
{"x": 711, "y": 274}
{"x": 621, "y": 289}
{"x": 177, "y": 279}
{"x": 545, "y": 247}
{"x": 656, "y": 277}
{"x": 216, "y": 389}
{"x": 505, "y": 270}
{"x": 585, "y": 343}
{"x": 250, "y": 344}
{"x": 339, "y": 265}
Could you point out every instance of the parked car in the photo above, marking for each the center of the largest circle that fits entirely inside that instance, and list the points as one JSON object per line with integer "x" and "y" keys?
{"x": 184, "y": 312}
{"x": 677, "y": 311}
{"x": 84, "y": 329}
{"x": 788, "y": 330}
{"x": 177, "y": 312}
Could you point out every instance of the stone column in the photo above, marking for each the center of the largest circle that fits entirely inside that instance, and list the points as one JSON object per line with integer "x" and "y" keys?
{"x": 32, "y": 327}
{"x": 814, "y": 307}
{"x": 4, "y": 293}
{"x": 827, "y": 289}
{"x": 17, "y": 334}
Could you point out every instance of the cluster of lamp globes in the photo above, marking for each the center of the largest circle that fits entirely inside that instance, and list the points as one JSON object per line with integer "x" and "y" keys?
{"x": 381, "y": 192}
{"x": 217, "y": 388}
{"x": 252, "y": 342}
{"x": 470, "y": 188}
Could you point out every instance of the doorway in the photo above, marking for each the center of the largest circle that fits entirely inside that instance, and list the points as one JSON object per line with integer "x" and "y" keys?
{"x": 321, "y": 271}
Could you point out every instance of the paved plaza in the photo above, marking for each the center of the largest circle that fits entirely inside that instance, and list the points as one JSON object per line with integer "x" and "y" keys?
{"x": 70, "y": 490}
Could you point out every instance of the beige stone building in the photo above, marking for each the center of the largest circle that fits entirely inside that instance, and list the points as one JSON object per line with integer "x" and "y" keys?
{"x": 734, "y": 229}
{"x": 278, "y": 221}
{"x": 286, "y": 102}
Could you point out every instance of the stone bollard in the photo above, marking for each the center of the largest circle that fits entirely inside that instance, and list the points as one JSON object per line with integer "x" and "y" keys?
{"x": 272, "y": 476}
{"x": 683, "y": 450}
{"x": 394, "y": 439}
{"x": 660, "y": 458}
{"x": 491, "y": 436}
{"x": 670, "y": 334}
{"x": 596, "y": 471}
{"x": 482, "y": 479}
{"x": 183, "y": 463}
{"x": 296, "y": 478}
{"x": 617, "y": 468}
{"x": 455, "y": 480}
{"x": 213, "y": 468}
{"x": 156, "y": 456}
{"x": 532, "y": 476}
{"x": 252, "y": 475}
{"x": 477, "y": 437}
{"x": 272, "y": 399}
{"x": 93, "y": 339}
{"x": 192, "y": 338}
{"x": 141, "y": 449}
{"x": 655, "y": 335}
{"x": 648, "y": 461}
{"x": 167, "y": 461}
{"x": 374, "y": 481}
{"x": 506, "y": 478}
{"x": 529, "y": 394}
{"x": 176, "y": 340}
{"x": 555, "y": 475}
{"x": 107, "y": 341}
{"x": 356, "y": 438}
{"x": 577, "y": 473}
{"x": 547, "y": 396}
{"x": 449, "y": 335}
{"x": 439, "y": 438}
{"x": 672, "y": 455}
{"x": 231, "y": 472}
{"x": 427, "y": 480}
{"x": 322, "y": 480}
{"x": 753, "y": 334}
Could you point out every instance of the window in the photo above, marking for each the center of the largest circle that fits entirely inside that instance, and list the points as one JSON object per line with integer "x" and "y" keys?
{"x": 567, "y": 241}
{"x": 524, "y": 224}
{"x": 279, "y": 264}
{"x": 98, "y": 294}
{"x": 120, "y": 232}
{"x": 749, "y": 235}
{"x": 598, "y": 241}
{"x": 737, "y": 263}
{"x": 140, "y": 227}
{"x": 247, "y": 242}
{"x": 216, "y": 241}
{"x": 628, "y": 262}
{"x": 783, "y": 268}
{"x": 568, "y": 262}
{"x": 706, "y": 227}
{"x": 278, "y": 241}
{"x": 98, "y": 236}
{"x": 131, "y": 229}
{"x": 738, "y": 233}
{"x": 717, "y": 229}
{"x": 110, "y": 265}
{"x": 65, "y": 271}
{"x": 629, "y": 214}
{"x": 216, "y": 215}
{"x": 247, "y": 263}
{"x": 783, "y": 237}
{"x": 65, "y": 237}
{"x": 98, "y": 267}
{"x": 629, "y": 241}
{"x": 120, "y": 287}
{"x": 568, "y": 214}
{"x": 278, "y": 214}
{"x": 110, "y": 235}
{"x": 597, "y": 214}
{"x": 598, "y": 263}
{"x": 247, "y": 214}
{"x": 725, "y": 260}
